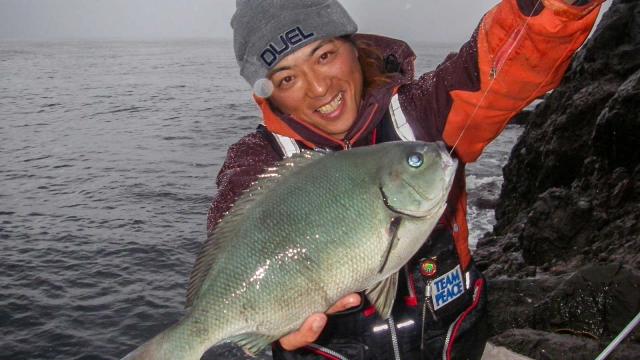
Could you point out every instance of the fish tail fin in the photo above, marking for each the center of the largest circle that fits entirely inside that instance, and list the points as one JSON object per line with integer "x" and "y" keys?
{"x": 150, "y": 350}
{"x": 180, "y": 341}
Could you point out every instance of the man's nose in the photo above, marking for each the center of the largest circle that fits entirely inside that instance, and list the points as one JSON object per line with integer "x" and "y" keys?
{"x": 318, "y": 84}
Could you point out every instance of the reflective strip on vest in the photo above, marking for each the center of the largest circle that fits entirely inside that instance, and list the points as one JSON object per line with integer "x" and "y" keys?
{"x": 400, "y": 125}
{"x": 402, "y": 129}
{"x": 287, "y": 145}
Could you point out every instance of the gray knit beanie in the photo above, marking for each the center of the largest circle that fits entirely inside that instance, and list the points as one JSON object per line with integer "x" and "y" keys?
{"x": 265, "y": 31}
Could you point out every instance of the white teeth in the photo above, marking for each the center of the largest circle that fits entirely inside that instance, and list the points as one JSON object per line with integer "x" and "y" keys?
{"x": 332, "y": 105}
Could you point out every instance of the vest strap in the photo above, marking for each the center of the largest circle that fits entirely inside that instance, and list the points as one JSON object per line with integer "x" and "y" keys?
{"x": 288, "y": 145}
{"x": 400, "y": 125}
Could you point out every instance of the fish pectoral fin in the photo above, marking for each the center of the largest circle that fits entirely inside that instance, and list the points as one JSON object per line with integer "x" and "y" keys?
{"x": 252, "y": 344}
{"x": 382, "y": 294}
{"x": 393, "y": 234}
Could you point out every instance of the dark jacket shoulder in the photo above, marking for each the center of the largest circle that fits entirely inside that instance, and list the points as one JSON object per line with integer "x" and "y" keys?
{"x": 246, "y": 159}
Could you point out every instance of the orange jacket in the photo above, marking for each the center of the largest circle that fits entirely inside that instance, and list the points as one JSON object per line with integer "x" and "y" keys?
{"x": 519, "y": 58}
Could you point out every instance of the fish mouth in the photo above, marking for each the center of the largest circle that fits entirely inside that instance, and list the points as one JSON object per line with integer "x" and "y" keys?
{"x": 420, "y": 193}
{"x": 429, "y": 199}
{"x": 411, "y": 213}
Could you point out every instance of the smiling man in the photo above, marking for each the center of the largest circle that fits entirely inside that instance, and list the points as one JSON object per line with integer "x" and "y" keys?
{"x": 322, "y": 84}
{"x": 319, "y": 84}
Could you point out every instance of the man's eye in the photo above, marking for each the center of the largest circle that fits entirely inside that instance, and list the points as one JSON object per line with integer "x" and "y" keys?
{"x": 324, "y": 56}
{"x": 286, "y": 80}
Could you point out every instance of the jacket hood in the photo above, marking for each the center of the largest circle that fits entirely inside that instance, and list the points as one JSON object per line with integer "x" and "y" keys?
{"x": 398, "y": 66}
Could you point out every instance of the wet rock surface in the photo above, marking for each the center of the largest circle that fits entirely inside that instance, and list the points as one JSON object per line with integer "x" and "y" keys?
{"x": 563, "y": 261}
{"x": 553, "y": 346}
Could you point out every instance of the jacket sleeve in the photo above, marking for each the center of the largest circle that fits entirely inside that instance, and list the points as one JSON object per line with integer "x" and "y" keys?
{"x": 519, "y": 51}
{"x": 245, "y": 160}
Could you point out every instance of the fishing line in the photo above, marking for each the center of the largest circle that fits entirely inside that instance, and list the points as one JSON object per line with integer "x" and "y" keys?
{"x": 623, "y": 334}
{"x": 494, "y": 75}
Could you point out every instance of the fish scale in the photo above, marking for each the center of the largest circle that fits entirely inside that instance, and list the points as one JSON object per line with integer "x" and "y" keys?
{"x": 312, "y": 229}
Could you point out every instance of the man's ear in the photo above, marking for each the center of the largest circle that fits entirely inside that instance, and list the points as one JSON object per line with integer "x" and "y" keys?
{"x": 355, "y": 48}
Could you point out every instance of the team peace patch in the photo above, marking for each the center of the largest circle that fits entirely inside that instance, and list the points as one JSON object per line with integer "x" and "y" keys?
{"x": 447, "y": 288}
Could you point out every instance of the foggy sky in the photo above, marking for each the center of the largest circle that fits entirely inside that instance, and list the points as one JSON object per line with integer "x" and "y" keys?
{"x": 430, "y": 20}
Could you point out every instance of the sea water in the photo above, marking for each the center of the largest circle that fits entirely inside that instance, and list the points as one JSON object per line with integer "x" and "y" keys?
{"x": 109, "y": 152}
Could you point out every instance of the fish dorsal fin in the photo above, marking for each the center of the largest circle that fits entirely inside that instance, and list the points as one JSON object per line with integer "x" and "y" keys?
{"x": 224, "y": 231}
{"x": 382, "y": 294}
{"x": 288, "y": 164}
{"x": 252, "y": 344}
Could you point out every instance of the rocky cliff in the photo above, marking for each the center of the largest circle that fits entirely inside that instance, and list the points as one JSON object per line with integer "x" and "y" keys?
{"x": 563, "y": 261}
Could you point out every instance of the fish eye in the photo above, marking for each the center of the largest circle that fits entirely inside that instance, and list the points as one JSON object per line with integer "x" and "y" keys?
{"x": 415, "y": 160}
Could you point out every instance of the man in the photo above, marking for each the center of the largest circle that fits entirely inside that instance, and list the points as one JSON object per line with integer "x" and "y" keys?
{"x": 321, "y": 85}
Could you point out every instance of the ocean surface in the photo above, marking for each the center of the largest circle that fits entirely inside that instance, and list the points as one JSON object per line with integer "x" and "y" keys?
{"x": 109, "y": 153}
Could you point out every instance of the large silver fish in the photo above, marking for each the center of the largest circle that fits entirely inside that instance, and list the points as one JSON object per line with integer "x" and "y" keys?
{"x": 312, "y": 229}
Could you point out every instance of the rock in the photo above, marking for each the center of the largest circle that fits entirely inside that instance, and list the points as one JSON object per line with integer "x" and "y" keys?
{"x": 576, "y": 121}
{"x": 513, "y": 301}
{"x": 484, "y": 195}
{"x": 597, "y": 299}
{"x": 520, "y": 118}
{"x": 564, "y": 254}
{"x": 553, "y": 346}
{"x": 492, "y": 352}
{"x": 557, "y": 225}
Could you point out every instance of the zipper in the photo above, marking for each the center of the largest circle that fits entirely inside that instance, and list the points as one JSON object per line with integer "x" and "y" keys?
{"x": 346, "y": 143}
{"x": 366, "y": 123}
{"x": 447, "y": 340}
{"x": 314, "y": 130}
{"x": 394, "y": 337}
{"x": 412, "y": 293}
{"x": 501, "y": 56}
{"x": 327, "y": 351}
{"x": 427, "y": 301}
{"x": 427, "y": 304}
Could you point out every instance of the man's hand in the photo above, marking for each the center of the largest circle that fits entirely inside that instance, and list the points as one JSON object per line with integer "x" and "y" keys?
{"x": 313, "y": 325}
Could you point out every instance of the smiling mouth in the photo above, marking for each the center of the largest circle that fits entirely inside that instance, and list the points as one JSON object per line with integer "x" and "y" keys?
{"x": 332, "y": 105}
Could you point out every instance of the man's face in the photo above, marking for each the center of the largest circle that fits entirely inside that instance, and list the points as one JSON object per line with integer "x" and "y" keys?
{"x": 321, "y": 85}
